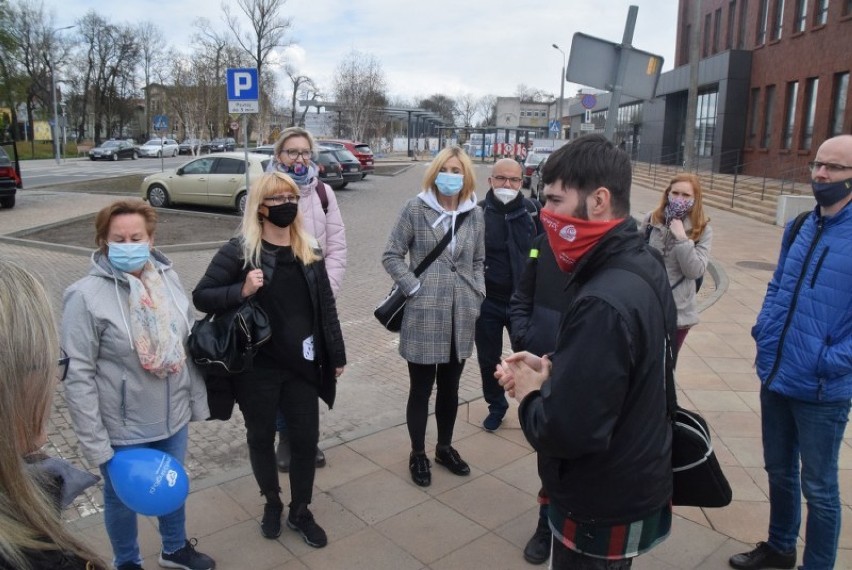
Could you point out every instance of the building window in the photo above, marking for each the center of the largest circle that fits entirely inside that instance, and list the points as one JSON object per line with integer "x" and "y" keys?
{"x": 821, "y": 12}
{"x": 778, "y": 20}
{"x": 790, "y": 115}
{"x": 768, "y": 109}
{"x": 811, "y": 88}
{"x": 732, "y": 13}
{"x": 801, "y": 16}
{"x": 741, "y": 30}
{"x": 717, "y": 29}
{"x": 705, "y": 50}
{"x": 684, "y": 46}
{"x": 838, "y": 102}
{"x": 705, "y": 123}
{"x": 762, "y": 17}
{"x": 752, "y": 126}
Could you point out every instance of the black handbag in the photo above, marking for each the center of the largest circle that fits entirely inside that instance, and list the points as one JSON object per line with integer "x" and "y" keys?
{"x": 226, "y": 342}
{"x": 697, "y": 477}
{"x": 390, "y": 311}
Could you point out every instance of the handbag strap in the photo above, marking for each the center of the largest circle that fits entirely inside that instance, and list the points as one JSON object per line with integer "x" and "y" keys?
{"x": 671, "y": 395}
{"x": 442, "y": 245}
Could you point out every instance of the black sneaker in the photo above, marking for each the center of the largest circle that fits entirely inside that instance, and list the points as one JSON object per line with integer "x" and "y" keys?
{"x": 537, "y": 550}
{"x": 187, "y": 558}
{"x": 129, "y": 566}
{"x": 420, "y": 468}
{"x": 450, "y": 458}
{"x": 270, "y": 524}
{"x": 764, "y": 556}
{"x": 302, "y": 521}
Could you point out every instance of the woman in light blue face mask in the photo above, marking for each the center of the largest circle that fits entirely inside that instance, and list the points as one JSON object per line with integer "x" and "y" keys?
{"x": 129, "y": 383}
{"x": 440, "y": 316}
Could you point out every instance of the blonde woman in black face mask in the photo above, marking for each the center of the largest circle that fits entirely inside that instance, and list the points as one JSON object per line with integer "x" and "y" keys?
{"x": 275, "y": 259}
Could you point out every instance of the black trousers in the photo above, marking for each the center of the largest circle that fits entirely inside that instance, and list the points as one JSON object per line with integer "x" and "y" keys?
{"x": 261, "y": 393}
{"x": 423, "y": 377}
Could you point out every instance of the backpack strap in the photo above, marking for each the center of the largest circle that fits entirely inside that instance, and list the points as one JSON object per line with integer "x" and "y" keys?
{"x": 794, "y": 229}
{"x": 323, "y": 195}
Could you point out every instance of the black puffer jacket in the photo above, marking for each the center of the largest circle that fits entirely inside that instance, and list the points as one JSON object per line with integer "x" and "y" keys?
{"x": 539, "y": 301}
{"x": 599, "y": 422}
{"x": 220, "y": 289}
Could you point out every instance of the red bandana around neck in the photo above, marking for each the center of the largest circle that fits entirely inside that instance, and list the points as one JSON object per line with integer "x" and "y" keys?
{"x": 571, "y": 238}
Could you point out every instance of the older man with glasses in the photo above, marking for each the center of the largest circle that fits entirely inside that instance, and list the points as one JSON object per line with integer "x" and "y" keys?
{"x": 804, "y": 362}
{"x": 511, "y": 223}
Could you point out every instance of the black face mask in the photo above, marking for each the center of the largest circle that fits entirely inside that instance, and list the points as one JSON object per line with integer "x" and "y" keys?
{"x": 830, "y": 193}
{"x": 282, "y": 215}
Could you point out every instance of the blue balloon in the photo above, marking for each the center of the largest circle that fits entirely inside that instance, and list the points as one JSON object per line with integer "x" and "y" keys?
{"x": 148, "y": 481}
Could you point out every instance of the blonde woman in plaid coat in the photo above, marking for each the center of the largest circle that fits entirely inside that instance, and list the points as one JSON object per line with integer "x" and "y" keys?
{"x": 443, "y": 305}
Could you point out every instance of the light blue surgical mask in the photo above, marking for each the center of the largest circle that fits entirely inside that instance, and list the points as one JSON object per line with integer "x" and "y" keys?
{"x": 129, "y": 257}
{"x": 449, "y": 184}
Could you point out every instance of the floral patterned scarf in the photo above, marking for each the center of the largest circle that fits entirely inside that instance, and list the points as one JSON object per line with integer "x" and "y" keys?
{"x": 154, "y": 325}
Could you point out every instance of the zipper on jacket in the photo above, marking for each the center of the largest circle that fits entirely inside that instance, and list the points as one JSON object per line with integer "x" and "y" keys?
{"x": 794, "y": 301}
{"x": 124, "y": 401}
{"x": 818, "y": 266}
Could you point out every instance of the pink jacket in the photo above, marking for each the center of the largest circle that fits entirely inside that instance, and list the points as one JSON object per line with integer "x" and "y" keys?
{"x": 327, "y": 228}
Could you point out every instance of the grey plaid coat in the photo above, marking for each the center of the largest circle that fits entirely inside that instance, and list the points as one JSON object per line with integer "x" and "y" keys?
{"x": 451, "y": 289}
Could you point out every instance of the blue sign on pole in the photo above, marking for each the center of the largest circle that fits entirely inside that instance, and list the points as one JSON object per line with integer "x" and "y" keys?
{"x": 554, "y": 126}
{"x": 161, "y": 122}
{"x": 243, "y": 90}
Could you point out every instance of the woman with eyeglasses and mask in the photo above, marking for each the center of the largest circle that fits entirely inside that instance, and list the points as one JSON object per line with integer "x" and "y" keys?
{"x": 681, "y": 232}
{"x": 130, "y": 383}
{"x": 294, "y": 154}
{"x": 276, "y": 260}
{"x": 443, "y": 302}
{"x": 33, "y": 486}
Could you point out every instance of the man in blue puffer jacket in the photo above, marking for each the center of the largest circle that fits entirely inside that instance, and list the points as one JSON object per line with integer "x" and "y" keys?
{"x": 804, "y": 361}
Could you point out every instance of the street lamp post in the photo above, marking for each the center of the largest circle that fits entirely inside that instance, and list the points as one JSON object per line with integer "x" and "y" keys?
{"x": 561, "y": 88}
{"x": 55, "y": 107}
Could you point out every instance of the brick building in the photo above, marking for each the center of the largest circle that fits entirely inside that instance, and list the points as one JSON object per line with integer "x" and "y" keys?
{"x": 773, "y": 83}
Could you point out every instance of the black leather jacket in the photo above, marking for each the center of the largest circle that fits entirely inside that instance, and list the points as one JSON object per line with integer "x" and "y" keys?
{"x": 599, "y": 422}
{"x": 220, "y": 289}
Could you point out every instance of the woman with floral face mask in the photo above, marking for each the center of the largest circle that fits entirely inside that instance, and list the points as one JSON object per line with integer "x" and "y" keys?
{"x": 130, "y": 383}
{"x": 679, "y": 229}
{"x": 440, "y": 317}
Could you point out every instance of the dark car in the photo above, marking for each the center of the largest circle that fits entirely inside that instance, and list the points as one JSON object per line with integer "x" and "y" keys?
{"x": 268, "y": 149}
{"x": 361, "y": 151}
{"x": 536, "y": 185}
{"x": 226, "y": 144}
{"x": 193, "y": 146}
{"x": 113, "y": 150}
{"x": 9, "y": 180}
{"x": 330, "y": 170}
{"x": 530, "y": 164}
{"x": 350, "y": 165}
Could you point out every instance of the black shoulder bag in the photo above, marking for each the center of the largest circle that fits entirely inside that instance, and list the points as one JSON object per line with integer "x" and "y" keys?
{"x": 389, "y": 312}
{"x": 697, "y": 477}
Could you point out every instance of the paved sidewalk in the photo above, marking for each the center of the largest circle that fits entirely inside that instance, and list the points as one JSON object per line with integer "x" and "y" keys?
{"x": 377, "y": 518}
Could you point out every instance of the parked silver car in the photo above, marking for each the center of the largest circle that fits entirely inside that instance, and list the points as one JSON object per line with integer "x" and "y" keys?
{"x": 159, "y": 147}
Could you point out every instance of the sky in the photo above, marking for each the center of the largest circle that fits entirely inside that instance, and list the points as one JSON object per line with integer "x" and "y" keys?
{"x": 452, "y": 47}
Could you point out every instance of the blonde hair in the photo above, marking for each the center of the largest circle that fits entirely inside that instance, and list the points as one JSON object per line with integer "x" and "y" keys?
{"x": 251, "y": 229}
{"x": 29, "y": 350}
{"x": 438, "y": 163}
{"x": 291, "y": 132}
{"x": 696, "y": 215}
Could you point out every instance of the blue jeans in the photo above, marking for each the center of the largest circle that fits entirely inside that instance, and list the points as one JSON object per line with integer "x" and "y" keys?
{"x": 120, "y": 521}
{"x": 493, "y": 318}
{"x": 795, "y": 430}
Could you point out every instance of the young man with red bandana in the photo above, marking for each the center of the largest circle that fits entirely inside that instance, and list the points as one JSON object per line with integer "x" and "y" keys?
{"x": 595, "y": 410}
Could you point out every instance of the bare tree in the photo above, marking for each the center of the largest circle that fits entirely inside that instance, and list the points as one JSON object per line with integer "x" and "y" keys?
{"x": 268, "y": 30}
{"x": 152, "y": 44}
{"x": 304, "y": 85}
{"x": 359, "y": 91}
{"x": 532, "y": 95}
{"x": 468, "y": 107}
{"x": 487, "y": 108}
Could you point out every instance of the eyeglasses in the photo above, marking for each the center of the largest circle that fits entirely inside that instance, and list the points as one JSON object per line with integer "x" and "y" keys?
{"x": 279, "y": 199}
{"x": 62, "y": 366}
{"x": 830, "y": 166}
{"x": 514, "y": 181}
{"x": 295, "y": 153}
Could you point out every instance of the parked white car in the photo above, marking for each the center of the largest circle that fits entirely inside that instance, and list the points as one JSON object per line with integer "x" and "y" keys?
{"x": 159, "y": 147}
